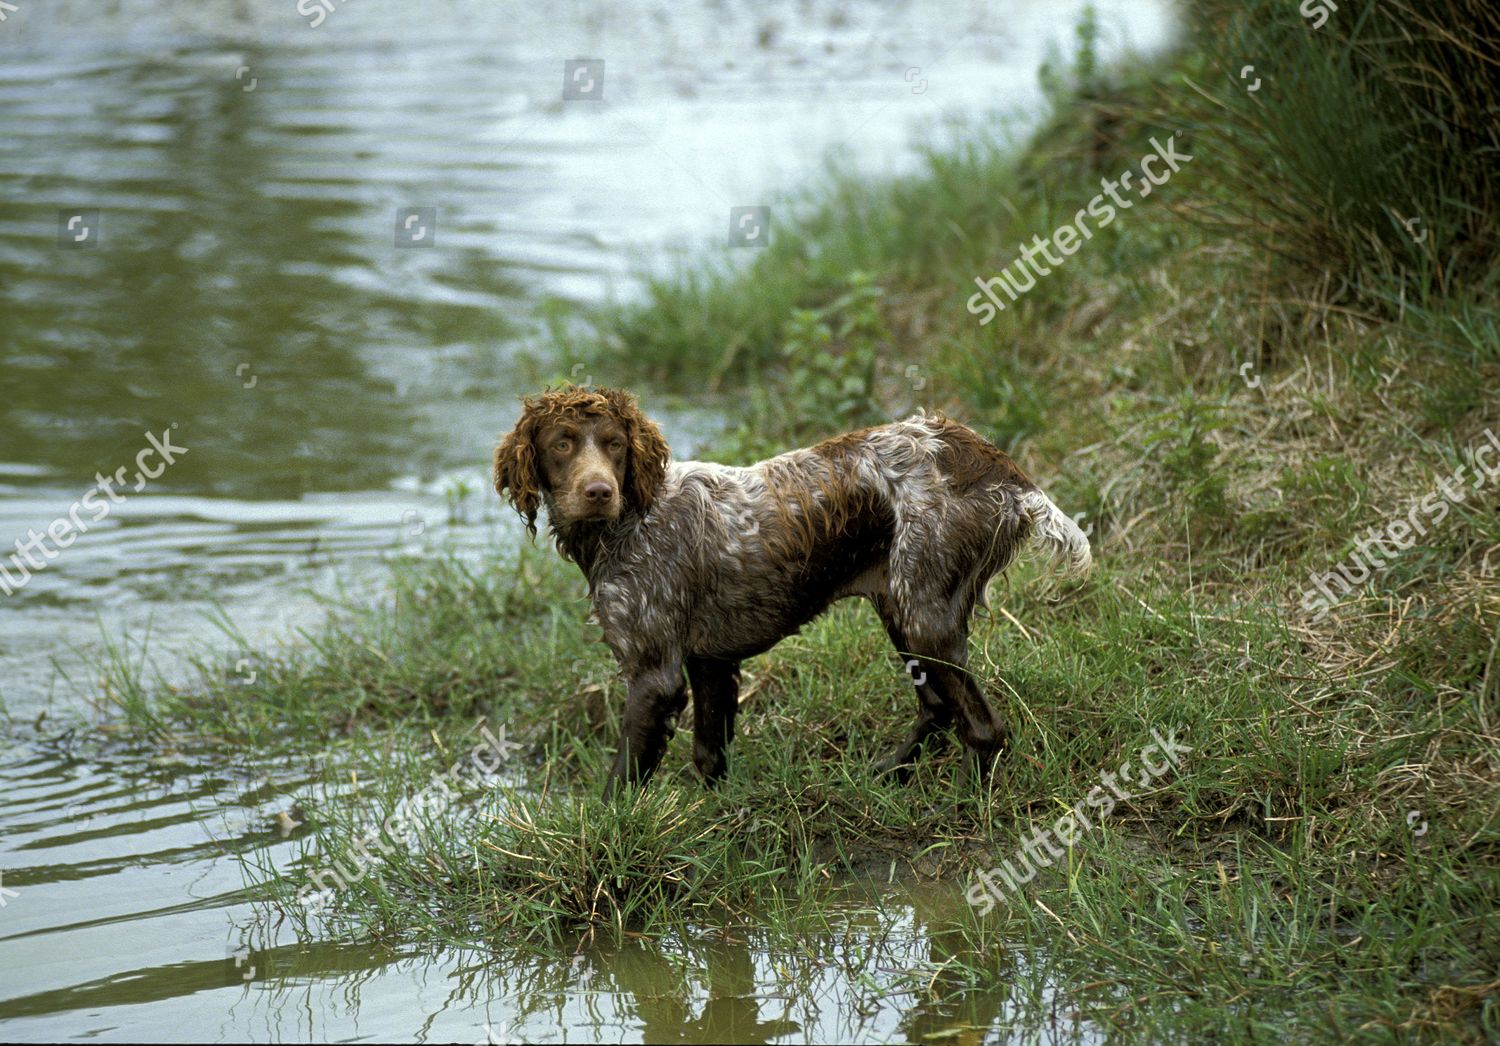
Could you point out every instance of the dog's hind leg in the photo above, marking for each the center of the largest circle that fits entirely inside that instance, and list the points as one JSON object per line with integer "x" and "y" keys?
{"x": 982, "y": 731}
{"x": 939, "y": 638}
{"x": 934, "y": 709}
{"x": 716, "y": 693}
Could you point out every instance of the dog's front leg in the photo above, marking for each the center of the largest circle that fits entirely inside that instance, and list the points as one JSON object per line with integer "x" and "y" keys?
{"x": 654, "y": 697}
{"x": 716, "y": 690}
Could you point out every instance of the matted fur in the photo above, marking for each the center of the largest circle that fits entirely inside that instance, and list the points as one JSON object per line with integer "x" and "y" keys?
{"x": 708, "y": 564}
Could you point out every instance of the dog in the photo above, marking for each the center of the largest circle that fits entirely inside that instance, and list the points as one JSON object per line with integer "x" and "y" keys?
{"x": 693, "y": 567}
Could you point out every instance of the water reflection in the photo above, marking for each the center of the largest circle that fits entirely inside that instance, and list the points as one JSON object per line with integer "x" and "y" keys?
{"x": 168, "y": 922}
{"x": 730, "y": 1013}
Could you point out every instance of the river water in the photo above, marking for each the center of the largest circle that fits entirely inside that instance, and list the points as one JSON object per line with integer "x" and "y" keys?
{"x": 303, "y": 240}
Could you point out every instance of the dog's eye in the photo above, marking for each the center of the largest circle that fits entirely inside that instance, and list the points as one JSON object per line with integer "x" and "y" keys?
{"x": 616, "y": 444}
{"x": 562, "y": 446}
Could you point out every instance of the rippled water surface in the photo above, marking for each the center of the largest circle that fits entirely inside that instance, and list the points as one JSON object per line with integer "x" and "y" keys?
{"x": 198, "y": 239}
{"x": 128, "y": 917}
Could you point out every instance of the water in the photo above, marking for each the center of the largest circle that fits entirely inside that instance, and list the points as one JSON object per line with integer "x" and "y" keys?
{"x": 130, "y": 919}
{"x": 238, "y": 178}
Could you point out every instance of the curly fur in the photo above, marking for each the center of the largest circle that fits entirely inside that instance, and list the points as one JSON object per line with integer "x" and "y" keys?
{"x": 517, "y": 473}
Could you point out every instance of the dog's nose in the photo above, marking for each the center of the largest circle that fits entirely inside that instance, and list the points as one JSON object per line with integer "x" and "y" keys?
{"x": 599, "y": 492}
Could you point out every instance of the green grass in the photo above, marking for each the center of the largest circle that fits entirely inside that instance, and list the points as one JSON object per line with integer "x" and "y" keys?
{"x": 1276, "y": 869}
{"x": 1365, "y": 161}
{"x": 1276, "y": 884}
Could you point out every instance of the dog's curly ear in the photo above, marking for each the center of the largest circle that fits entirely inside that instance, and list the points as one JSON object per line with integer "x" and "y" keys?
{"x": 647, "y": 467}
{"x": 515, "y": 470}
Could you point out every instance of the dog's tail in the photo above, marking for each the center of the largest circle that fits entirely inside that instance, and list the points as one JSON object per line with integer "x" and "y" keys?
{"x": 1055, "y": 536}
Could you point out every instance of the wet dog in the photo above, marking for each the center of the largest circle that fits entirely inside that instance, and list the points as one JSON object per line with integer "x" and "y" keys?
{"x": 693, "y": 567}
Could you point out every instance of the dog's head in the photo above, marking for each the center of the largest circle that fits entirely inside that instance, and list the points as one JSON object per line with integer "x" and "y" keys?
{"x": 590, "y": 453}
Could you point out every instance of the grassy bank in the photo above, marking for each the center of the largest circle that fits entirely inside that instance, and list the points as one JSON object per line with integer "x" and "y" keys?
{"x": 1235, "y": 381}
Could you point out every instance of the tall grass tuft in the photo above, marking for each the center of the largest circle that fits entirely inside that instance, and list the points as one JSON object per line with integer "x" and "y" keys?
{"x": 1359, "y": 149}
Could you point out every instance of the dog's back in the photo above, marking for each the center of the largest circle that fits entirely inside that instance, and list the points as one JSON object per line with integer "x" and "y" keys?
{"x": 743, "y": 556}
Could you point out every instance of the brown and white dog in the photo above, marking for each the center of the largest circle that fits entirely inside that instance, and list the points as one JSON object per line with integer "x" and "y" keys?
{"x": 695, "y": 566}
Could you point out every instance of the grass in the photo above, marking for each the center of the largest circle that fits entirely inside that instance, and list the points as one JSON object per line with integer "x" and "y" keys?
{"x": 1365, "y": 161}
{"x": 1228, "y": 422}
